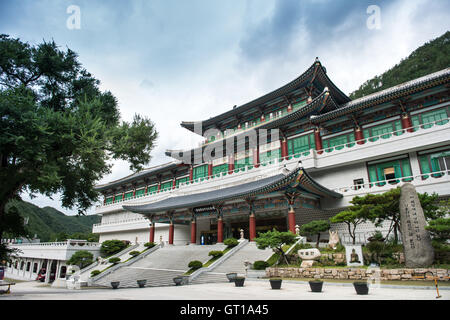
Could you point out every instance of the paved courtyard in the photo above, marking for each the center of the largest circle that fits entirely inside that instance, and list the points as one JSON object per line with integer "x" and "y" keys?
{"x": 253, "y": 290}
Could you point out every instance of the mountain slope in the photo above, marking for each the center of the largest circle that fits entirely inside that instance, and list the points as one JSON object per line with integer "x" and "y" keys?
{"x": 47, "y": 222}
{"x": 431, "y": 57}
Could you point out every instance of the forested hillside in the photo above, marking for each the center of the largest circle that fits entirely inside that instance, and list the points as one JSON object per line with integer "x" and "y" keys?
{"x": 431, "y": 57}
{"x": 49, "y": 224}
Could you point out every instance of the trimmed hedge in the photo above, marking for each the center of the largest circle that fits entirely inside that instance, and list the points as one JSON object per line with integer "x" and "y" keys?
{"x": 134, "y": 253}
{"x": 195, "y": 264}
{"x": 260, "y": 265}
{"x": 95, "y": 272}
{"x": 114, "y": 260}
{"x": 231, "y": 242}
{"x": 149, "y": 244}
{"x": 215, "y": 253}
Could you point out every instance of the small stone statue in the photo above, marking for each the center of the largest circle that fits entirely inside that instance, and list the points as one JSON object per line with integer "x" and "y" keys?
{"x": 354, "y": 257}
{"x": 297, "y": 230}
{"x": 333, "y": 239}
{"x": 242, "y": 233}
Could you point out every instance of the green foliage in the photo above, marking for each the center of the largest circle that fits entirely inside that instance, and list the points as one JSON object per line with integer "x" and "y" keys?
{"x": 215, "y": 254}
{"x": 58, "y": 130}
{"x": 114, "y": 260}
{"x": 315, "y": 228}
{"x": 431, "y": 57}
{"x": 439, "y": 229}
{"x": 81, "y": 258}
{"x": 231, "y": 242}
{"x": 149, "y": 245}
{"x": 195, "y": 264}
{"x": 110, "y": 247}
{"x": 95, "y": 272}
{"x": 260, "y": 265}
{"x": 134, "y": 253}
{"x": 275, "y": 240}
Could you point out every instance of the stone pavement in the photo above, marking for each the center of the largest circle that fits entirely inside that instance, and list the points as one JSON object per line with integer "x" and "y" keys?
{"x": 253, "y": 290}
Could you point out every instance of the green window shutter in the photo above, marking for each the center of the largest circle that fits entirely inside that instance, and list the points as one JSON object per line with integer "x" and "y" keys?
{"x": 109, "y": 200}
{"x": 200, "y": 172}
{"x": 434, "y": 115}
{"x": 312, "y": 141}
{"x": 129, "y": 195}
{"x": 140, "y": 192}
{"x": 373, "y": 173}
{"x": 415, "y": 122}
{"x": 220, "y": 168}
{"x": 152, "y": 189}
{"x": 166, "y": 185}
{"x": 406, "y": 167}
{"x": 398, "y": 127}
{"x": 181, "y": 180}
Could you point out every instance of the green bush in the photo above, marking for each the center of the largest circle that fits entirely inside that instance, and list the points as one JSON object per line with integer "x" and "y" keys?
{"x": 114, "y": 260}
{"x": 149, "y": 244}
{"x": 215, "y": 254}
{"x": 110, "y": 247}
{"x": 195, "y": 264}
{"x": 260, "y": 265}
{"x": 81, "y": 258}
{"x": 231, "y": 242}
{"x": 95, "y": 272}
{"x": 134, "y": 253}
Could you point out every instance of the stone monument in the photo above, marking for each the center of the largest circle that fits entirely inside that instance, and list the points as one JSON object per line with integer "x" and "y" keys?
{"x": 419, "y": 252}
{"x": 308, "y": 257}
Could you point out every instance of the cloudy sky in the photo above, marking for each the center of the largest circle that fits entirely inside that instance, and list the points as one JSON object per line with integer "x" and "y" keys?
{"x": 184, "y": 60}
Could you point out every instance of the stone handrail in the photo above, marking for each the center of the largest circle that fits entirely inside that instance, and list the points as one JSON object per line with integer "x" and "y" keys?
{"x": 218, "y": 262}
{"x": 124, "y": 264}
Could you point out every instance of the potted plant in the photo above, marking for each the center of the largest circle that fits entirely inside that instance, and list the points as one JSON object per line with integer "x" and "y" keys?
{"x": 275, "y": 283}
{"x": 361, "y": 287}
{"x": 239, "y": 281}
{"x": 316, "y": 285}
{"x": 231, "y": 276}
{"x": 141, "y": 283}
{"x": 178, "y": 280}
{"x": 115, "y": 284}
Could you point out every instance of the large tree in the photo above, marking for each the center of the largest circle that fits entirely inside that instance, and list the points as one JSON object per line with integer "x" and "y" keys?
{"x": 315, "y": 228}
{"x": 58, "y": 130}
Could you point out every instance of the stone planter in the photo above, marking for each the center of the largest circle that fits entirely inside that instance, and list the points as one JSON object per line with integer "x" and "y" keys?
{"x": 239, "y": 281}
{"x": 231, "y": 276}
{"x": 316, "y": 286}
{"x": 361, "y": 287}
{"x": 275, "y": 283}
{"x": 141, "y": 283}
{"x": 115, "y": 284}
{"x": 178, "y": 281}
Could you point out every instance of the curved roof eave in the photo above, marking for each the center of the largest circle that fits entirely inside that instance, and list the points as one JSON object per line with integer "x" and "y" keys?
{"x": 406, "y": 88}
{"x": 316, "y": 66}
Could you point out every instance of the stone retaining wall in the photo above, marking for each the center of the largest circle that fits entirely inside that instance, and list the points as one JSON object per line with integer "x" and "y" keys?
{"x": 357, "y": 273}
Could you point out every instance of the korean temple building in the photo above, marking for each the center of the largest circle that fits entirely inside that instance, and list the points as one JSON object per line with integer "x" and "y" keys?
{"x": 326, "y": 150}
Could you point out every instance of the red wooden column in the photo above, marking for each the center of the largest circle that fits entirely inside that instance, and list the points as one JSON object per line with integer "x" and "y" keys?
{"x": 210, "y": 169}
{"x": 193, "y": 231}
{"x": 159, "y": 186}
{"x": 219, "y": 229}
{"x": 284, "y": 148}
{"x": 146, "y": 189}
{"x": 256, "y": 157}
{"x": 152, "y": 231}
{"x": 123, "y": 196}
{"x": 171, "y": 230}
{"x": 174, "y": 184}
{"x": 406, "y": 122}
{"x": 359, "y": 135}
{"x": 230, "y": 163}
{"x": 318, "y": 140}
{"x": 104, "y": 200}
{"x": 291, "y": 212}
{"x": 252, "y": 226}
{"x": 114, "y": 198}
{"x": 134, "y": 192}
{"x": 191, "y": 173}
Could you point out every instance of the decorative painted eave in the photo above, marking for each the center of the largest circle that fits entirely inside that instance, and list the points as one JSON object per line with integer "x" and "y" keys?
{"x": 138, "y": 175}
{"x": 393, "y": 93}
{"x": 305, "y": 182}
{"x": 324, "y": 101}
{"x": 316, "y": 71}
{"x": 285, "y": 179}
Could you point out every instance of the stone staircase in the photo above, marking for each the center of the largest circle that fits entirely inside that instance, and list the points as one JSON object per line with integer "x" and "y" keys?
{"x": 235, "y": 263}
{"x": 160, "y": 267}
